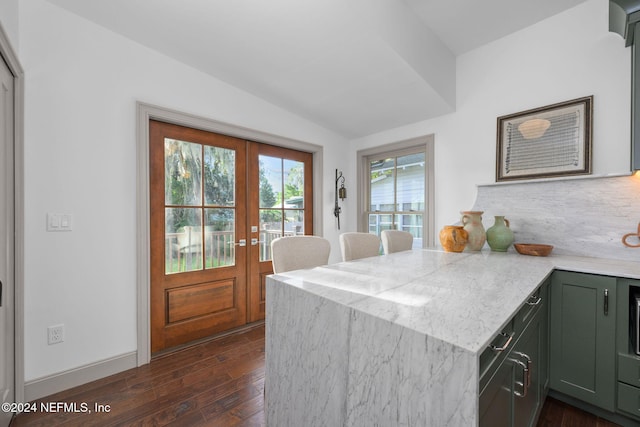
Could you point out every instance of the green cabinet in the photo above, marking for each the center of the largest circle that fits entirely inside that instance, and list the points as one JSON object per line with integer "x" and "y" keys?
{"x": 628, "y": 360}
{"x": 583, "y": 336}
{"x": 514, "y": 370}
{"x": 529, "y": 373}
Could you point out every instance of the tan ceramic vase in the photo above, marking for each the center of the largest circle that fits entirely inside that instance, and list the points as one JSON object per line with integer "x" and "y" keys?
{"x": 472, "y": 222}
{"x": 453, "y": 238}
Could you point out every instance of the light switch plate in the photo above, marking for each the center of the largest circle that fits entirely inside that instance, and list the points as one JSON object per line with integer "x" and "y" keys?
{"x": 59, "y": 222}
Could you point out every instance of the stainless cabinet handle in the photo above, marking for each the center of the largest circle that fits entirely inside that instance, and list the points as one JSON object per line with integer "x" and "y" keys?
{"x": 536, "y": 302}
{"x": 1, "y": 286}
{"x": 529, "y": 365}
{"x": 505, "y": 345}
{"x": 525, "y": 378}
{"x": 606, "y": 302}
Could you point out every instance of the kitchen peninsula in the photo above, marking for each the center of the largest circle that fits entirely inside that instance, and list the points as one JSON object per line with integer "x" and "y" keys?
{"x": 396, "y": 339}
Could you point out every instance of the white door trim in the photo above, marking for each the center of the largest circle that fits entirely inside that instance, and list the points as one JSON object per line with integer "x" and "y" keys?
{"x": 146, "y": 112}
{"x": 11, "y": 59}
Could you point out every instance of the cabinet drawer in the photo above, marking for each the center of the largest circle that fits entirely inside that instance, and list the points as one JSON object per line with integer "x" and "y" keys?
{"x": 490, "y": 359}
{"x": 629, "y": 369}
{"x": 629, "y": 399}
{"x": 535, "y": 302}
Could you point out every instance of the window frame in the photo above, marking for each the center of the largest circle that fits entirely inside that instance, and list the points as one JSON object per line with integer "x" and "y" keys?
{"x": 423, "y": 144}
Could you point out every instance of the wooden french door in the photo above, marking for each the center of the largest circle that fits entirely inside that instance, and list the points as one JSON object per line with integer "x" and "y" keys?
{"x": 280, "y": 204}
{"x": 216, "y": 204}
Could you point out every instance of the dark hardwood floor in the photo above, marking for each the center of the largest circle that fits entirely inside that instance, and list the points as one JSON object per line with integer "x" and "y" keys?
{"x": 215, "y": 383}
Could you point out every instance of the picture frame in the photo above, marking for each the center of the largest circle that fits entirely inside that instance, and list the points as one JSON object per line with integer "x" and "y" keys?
{"x": 550, "y": 141}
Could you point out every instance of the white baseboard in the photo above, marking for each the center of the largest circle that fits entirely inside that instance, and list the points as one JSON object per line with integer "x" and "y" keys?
{"x": 41, "y": 387}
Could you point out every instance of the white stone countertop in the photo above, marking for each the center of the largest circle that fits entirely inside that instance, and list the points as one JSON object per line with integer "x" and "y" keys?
{"x": 460, "y": 298}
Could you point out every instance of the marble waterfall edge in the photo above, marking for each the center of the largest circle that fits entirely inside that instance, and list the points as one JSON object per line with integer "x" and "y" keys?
{"x": 328, "y": 364}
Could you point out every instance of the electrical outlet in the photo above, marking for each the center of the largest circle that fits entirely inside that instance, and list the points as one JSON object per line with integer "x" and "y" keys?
{"x": 55, "y": 334}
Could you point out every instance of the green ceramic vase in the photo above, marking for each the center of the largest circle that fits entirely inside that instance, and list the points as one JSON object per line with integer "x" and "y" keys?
{"x": 500, "y": 236}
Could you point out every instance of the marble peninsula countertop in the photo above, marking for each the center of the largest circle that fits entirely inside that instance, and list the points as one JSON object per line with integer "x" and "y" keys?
{"x": 463, "y": 299}
{"x": 395, "y": 340}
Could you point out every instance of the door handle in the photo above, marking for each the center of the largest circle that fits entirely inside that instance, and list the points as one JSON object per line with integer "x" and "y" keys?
{"x": 606, "y": 302}
{"x": 241, "y": 242}
{"x": 255, "y": 241}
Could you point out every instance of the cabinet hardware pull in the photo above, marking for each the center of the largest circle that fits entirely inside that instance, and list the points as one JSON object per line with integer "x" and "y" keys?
{"x": 505, "y": 345}
{"x": 525, "y": 378}
{"x": 606, "y": 302}
{"x": 538, "y": 301}
{"x": 529, "y": 363}
{"x": 1, "y": 286}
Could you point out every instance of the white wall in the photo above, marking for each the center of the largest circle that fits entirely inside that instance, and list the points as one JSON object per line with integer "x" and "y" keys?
{"x": 82, "y": 84}
{"x": 568, "y": 56}
{"x": 9, "y": 19}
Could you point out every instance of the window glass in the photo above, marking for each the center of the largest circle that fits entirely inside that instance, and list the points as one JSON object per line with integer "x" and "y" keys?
{"x": 397, "y": 194}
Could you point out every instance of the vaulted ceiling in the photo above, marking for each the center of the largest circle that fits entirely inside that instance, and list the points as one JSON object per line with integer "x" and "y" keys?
{"x": 355, "y": 67}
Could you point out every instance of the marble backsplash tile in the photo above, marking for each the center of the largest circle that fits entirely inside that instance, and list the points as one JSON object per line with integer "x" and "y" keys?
{"x": 581, "y": 217}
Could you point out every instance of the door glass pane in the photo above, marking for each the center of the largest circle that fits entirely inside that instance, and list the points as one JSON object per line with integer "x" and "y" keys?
{"x": 410, "y": 182}
{"x": 219, "y": 237}
{"x": 183, "y": 172}
{"x": 270, "y": 229}
{"x": 270, "y": 182}
{"x": 183, "y": 239}
{"x": 293, "y": 184}
{"x": 220, "y": 176}
{"x": 293, "y": 222}
{"x": 382, "y": 186}
{"x": 281, "y": 200}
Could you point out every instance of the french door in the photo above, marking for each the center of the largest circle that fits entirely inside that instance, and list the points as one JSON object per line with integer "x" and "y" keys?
{"x": 216, "y": 204}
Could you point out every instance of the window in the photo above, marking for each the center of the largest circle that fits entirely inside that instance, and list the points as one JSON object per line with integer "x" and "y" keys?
{"x": 396, "y": 182}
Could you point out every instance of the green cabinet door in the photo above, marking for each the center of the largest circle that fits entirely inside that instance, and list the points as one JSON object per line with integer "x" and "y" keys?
{"x": 513, "y": 397}
{"x": 529, "y": 356}
{"x": 529, "y": 373}
{"x": 495, "y": 400}
{"x": 582, "y": 337}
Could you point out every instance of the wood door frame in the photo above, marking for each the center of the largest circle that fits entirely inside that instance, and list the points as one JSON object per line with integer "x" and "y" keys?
{"x": 11, "y": 59}
{"x": 147, "y": 112}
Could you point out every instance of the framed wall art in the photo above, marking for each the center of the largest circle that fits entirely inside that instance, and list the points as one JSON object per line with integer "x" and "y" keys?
{"x": 545, "y": 142}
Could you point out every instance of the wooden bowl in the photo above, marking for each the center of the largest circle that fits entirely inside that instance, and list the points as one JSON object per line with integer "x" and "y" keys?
{"x": 533, "y": 249}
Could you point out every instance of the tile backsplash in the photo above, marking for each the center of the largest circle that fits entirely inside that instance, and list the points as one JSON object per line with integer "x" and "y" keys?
{"x": 582, "y": 217}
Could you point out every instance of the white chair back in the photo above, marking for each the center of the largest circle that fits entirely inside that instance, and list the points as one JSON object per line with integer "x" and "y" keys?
{"x": 359, "y": 245}
{"x": 396, "y": 241}
{"x": 298, "y": 252}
